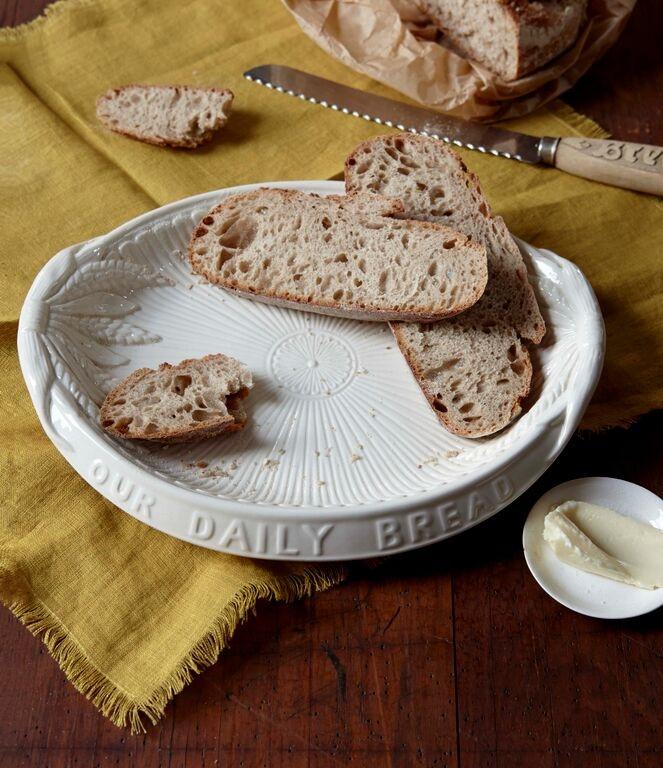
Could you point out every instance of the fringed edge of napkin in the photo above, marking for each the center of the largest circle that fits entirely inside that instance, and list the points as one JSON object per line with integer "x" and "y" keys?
{"x": 581, "y": 124}
{"x": 52, "y": 10}
{"x": 118, "y": 705}
{"x": 594, "y": 419}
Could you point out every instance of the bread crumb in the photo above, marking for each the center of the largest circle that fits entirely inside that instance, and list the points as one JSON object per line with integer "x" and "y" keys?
{"x": 217, "y": 472}
{"x": 435, "y": 458}
{"x": 321, "y": 482}
{"x": 281, "y": 451}
{"x": 202, "y": 464}
{"x": 271, "y": 464}
{"x": 355, "y": 457}
{"x": 317, "y": 454}
{"x": 362, "y": 372}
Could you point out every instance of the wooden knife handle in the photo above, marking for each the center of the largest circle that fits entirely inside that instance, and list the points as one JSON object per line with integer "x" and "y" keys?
{"x": 619, "y": 163}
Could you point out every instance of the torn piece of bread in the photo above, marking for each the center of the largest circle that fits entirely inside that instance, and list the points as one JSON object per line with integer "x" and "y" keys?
{"x": 509, "y": 37}
{"x": 193, "y": 400}
{"x": 336, "y": 255}
{"x": 166, "y": 115}
{"x": 474, "y": 368}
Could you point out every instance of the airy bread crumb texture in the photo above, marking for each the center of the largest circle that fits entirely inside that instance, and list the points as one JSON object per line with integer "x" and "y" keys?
{"x": 166, "y": 115}
{"x": 336, "y": 255}
{"x": 473, "y": 368}
{"x": 473, "y": 380}
{"x": 509, "y": 37}
{"x": 193, "y": 400}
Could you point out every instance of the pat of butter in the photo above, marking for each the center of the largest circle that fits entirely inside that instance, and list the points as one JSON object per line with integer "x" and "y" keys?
{"x": 601, "y": 541}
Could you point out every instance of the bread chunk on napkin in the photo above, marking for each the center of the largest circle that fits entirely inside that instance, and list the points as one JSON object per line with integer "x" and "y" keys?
{"x": 166, "y": 115}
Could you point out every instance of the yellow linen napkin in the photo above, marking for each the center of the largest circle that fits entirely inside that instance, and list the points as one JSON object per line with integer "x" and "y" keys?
{"x": 129, "y": 613}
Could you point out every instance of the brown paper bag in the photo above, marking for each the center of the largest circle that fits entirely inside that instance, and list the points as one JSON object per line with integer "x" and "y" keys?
{"x": 388, "y": 41}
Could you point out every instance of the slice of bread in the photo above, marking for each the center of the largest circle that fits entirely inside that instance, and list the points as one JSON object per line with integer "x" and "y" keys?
{"x": 474, "y": 369}
{"x": 509, "y": 37}
{"x": 166, "y": 115}
{"x": 335, "y": 255}
{"x": 193, "y": 400}
{"x": 475, "y": 376}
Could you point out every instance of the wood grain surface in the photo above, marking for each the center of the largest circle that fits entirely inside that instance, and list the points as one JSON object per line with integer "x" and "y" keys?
{"x": 451, "y": 656}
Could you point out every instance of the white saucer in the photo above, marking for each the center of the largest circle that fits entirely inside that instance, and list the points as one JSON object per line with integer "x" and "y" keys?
{"x": 585, "y": 592}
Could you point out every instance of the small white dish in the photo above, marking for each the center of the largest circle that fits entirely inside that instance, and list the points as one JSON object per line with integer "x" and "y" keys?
{"x": 584, "y": 592}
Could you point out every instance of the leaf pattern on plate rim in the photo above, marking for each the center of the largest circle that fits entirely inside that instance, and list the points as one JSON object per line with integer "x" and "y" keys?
{"x": 88, "y": 308}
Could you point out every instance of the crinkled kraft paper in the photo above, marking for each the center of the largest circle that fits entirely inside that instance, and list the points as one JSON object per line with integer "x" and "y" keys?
{"x": 388, "y": 41}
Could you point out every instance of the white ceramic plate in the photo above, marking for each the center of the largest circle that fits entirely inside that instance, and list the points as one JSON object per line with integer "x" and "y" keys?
{"x": 342, "y": 458}
{"x": 586, "y": 592}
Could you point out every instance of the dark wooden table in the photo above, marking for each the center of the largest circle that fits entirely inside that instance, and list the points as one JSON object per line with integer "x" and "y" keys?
{"x": 452, "y": 656}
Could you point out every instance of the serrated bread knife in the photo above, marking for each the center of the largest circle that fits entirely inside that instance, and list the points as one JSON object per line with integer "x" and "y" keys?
{"x": 619, "y": 163}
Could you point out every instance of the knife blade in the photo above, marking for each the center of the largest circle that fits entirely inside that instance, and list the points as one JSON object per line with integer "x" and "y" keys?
{"x": 625, "y": 164}
{"x": 395, "y": 114}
